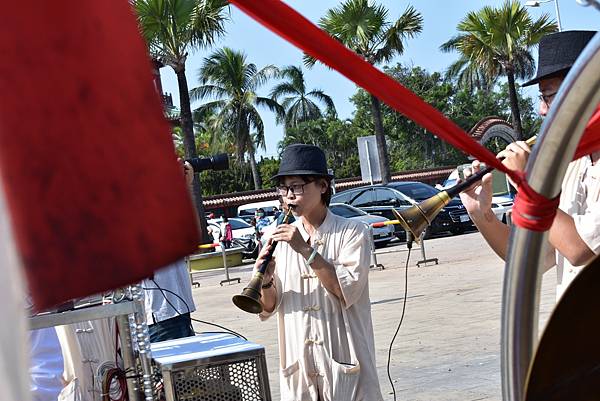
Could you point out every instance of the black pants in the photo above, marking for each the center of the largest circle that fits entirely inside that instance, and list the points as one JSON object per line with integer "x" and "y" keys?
{"x": 170, "y": 329}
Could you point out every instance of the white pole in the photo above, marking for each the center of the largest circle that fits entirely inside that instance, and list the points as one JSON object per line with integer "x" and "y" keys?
{"x": 369, "y": 162}
{"x": 558, "y": 16}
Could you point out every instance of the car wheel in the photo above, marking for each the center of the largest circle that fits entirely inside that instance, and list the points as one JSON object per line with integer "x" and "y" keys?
{"x": 382, "y": 244}
{"x": 457, "y": 231}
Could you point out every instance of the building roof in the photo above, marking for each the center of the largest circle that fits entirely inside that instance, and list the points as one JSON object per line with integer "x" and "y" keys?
{"x": 430, "y": 175}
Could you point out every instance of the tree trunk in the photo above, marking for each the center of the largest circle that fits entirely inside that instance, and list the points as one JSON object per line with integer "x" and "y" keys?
{"x": 514, "y": 105}
{"x": 254, "y": 168}
{"x": 384, "y": 161}
{"x": 189, "y": 145}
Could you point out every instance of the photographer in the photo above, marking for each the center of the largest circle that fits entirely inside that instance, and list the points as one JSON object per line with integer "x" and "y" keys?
{"x": 168, "y": 295}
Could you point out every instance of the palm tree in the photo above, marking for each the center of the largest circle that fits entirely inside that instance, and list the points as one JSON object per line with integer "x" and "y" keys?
{"x": 498, "y": 41}
{"x": 470, "y": 76}
{"x": 172, "y": 28}
{"x": 363, "y": 27}
{"x": 228, "y": 78}
{"x": 298, "y": 104}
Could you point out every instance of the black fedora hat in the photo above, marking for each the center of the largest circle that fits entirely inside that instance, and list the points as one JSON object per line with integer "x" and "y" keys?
{"x": 558, "y": 52}
{"x": 301, "y": 159}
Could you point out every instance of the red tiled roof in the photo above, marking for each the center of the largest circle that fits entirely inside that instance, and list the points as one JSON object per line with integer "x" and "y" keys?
{"x": 430, "y": 175}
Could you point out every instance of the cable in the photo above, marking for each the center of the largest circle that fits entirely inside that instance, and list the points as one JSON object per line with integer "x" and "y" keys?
{"x": 162, "y": 290}
{"x": 221, "y": 327}
{"x": 409, "y": 241}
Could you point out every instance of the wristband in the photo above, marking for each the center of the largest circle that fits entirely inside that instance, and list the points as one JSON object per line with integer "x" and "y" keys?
{"x": 312, "y": 256}
{"x": 268, "y": 285}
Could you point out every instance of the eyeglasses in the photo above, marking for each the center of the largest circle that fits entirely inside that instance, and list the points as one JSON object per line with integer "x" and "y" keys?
{"x": 547, "y": 98}
{"x": 297, "y": 189}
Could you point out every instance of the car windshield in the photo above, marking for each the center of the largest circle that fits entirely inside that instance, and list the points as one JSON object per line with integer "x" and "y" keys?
{"x": 346, "y": 211}
{"x": 416, "y": 191}
{"x": 238, "y": 224}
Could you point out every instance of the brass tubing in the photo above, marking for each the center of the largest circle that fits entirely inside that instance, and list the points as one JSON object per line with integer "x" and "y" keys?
{"x": 461, "y": 186}
{"x": 249, "y": 299}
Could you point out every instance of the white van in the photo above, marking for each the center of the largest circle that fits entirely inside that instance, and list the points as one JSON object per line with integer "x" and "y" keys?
{"x": 246, "y": 211}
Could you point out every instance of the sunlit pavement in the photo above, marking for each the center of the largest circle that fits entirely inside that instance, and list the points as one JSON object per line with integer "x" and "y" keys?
{"x": 449, "y": 344}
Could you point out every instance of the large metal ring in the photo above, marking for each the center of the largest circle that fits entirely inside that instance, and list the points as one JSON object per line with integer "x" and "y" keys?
{"x": 560, "y": 133}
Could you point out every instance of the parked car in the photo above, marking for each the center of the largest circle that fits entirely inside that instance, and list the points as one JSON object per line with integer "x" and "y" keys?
{"x": 244, "y": 235}
{"x": 453, "y": 217}
{"x": 376, "y": 200}
{"x": 502, "y": 199}
{"x": 502, "y": 205}
{"x": 380, "y": 200}
{"x": 381, "y": 235}
{"x": 246, "y": 212}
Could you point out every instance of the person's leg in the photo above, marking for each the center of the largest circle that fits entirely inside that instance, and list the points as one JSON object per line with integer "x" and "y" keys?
{"x": 176, "y": 327}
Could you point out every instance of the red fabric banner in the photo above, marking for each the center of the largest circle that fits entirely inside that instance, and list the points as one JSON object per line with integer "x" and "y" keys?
{"x": 287, "y": 23}
{"x": 96, "y": 195}
{"x": 590, "y": 142}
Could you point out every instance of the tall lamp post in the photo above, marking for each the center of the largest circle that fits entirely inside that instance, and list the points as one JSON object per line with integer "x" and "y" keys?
{"x": 533, "y": 3}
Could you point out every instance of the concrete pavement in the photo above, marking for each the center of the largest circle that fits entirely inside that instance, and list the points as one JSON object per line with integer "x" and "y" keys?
{"x": 449, "y": 344}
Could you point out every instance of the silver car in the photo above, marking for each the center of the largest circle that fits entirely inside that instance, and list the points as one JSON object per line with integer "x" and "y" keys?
{"x": 381, "y": 235}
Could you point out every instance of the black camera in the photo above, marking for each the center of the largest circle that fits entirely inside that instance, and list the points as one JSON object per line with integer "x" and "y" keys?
{"x": 214, "y": 162}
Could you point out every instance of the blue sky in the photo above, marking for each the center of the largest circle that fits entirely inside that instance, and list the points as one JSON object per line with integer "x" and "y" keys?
{"x": 440, "y": 19}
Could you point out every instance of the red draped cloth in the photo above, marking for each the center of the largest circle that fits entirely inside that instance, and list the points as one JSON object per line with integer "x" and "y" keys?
{"x": 96, "y": 196}
{"x": 533, "y": 211}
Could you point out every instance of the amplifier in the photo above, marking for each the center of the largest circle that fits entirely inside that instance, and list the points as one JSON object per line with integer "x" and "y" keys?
{"x": 212, "y": 367}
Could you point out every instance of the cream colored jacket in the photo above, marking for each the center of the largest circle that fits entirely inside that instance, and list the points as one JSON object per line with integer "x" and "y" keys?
{"x": 326, "y": 345}
{"x": 580, "y": 199}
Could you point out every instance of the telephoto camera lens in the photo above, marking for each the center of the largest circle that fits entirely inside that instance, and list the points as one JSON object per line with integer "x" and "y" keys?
{"x": 214, "y": 162}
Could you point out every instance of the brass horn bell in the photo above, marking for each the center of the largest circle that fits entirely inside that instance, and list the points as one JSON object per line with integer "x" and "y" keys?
{"x": 415, "y": 219}
{"x": 249, "y": 299}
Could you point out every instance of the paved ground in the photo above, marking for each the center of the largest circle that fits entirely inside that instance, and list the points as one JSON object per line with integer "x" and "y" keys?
{"x": 449, "y": 343}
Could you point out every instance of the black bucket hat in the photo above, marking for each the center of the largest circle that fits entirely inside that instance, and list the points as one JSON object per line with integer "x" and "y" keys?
{"x": 558, "y": 52}
{"x": 301, "y": 159}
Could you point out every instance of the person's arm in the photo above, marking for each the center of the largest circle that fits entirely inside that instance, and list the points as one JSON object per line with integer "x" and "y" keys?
{"x": 478, "y": 202}
{"x": 563, "y": 234}
{"x": 324, "y": 270}
{"x": 493, "y": 230}
{"x": 565, "y": 238}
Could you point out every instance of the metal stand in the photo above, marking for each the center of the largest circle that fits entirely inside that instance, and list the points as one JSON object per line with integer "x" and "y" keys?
{"x": 425, "y": 260}
{"x": 227, "y": 278}
{"x": 373, "y": 254}
{"x": 189, "y": 267}
{"x": 128, "y": 355}
{"x": 133, "y": 331}
{"x": 142, "y": 337}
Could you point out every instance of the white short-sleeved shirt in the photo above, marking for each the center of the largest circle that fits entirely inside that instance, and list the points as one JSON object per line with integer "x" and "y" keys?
{"x": 313, "y": 342}
{"x": 580, "y": 199}
{"x": 175, "y": 278}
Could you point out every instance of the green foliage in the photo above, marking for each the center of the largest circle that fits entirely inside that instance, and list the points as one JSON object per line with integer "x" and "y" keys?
{"x": 232, "y": 114}
{"x": 173, "y": 27}
{"x": 299, "y": 104}
{"x": 236, "y": 179}
{"x": 364, "y": 27}
{"x": 495, "y": 42}
{"x": 410, "y": 146}
{"x": 337, "y": 138}
{"x": 268, "y": 167}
